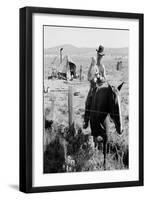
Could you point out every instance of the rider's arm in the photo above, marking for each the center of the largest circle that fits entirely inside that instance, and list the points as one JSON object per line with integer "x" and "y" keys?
{"x": 103, "y": 74}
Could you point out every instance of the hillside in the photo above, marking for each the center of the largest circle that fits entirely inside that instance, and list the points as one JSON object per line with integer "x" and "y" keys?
{"x": 73, "y": 50}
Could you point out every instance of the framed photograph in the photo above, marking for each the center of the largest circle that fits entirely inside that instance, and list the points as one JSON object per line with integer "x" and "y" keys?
{"x": 81, "y": 99}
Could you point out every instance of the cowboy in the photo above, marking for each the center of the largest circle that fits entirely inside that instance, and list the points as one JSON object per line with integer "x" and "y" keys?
{"x": 101, "y": 67}
{"x": 96, "y": 76}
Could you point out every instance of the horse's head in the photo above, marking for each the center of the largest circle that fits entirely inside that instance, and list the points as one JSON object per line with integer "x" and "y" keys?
{"x": 114, "y": 107}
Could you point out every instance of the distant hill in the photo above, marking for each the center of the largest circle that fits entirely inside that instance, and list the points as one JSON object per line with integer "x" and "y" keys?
{"x": 73, "y": 50}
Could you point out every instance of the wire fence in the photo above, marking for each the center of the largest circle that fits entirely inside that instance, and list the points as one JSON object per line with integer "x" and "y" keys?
{"x": 76, "y": 94}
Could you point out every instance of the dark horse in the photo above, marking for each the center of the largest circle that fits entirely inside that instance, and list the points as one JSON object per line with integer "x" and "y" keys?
{"x": 105, "y": 101}
{"x": 72, "y": 68}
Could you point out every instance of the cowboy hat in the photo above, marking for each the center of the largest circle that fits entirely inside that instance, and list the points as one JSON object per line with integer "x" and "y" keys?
{"x": 100, "y": 50}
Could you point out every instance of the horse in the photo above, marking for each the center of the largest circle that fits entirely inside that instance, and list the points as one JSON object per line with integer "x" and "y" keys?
{"x": 72, "y": 68}
{"x": 105, "y": 102}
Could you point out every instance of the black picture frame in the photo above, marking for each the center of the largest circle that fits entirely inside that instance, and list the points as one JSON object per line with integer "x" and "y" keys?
{"x": 26, "y": 103}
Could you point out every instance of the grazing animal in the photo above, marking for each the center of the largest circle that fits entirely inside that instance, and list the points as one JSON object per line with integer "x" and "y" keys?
{"x": 105, "y": 101}
{"x": 72, "y": 68}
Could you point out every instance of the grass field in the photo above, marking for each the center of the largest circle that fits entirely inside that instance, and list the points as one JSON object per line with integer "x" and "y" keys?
{"x": 86, "y": 157}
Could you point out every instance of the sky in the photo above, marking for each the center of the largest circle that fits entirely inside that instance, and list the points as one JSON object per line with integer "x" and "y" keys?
{"x": 85, "y": 37}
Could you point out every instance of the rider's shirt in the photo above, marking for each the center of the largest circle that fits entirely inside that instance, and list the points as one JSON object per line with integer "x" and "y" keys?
{"x": 96, "y": 72}
{"x": 102, "y": 73}
{"x": 93, "y": 72}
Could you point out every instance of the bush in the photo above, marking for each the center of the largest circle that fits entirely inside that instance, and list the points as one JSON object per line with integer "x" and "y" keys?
{"x": 73, "y": 151}
{"x": 54, "y": 157}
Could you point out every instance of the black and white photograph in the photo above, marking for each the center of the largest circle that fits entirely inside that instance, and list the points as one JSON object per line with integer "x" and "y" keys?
{"x": 81, "y": 86}
{"x": 85, "y": 99}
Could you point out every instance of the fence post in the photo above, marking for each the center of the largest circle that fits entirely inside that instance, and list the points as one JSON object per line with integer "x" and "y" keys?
{"x": 70, "y": 105}
{"x": 117, "y": 66}
{"x": 52, "y": 107}
{"x": 80, "y": 72}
